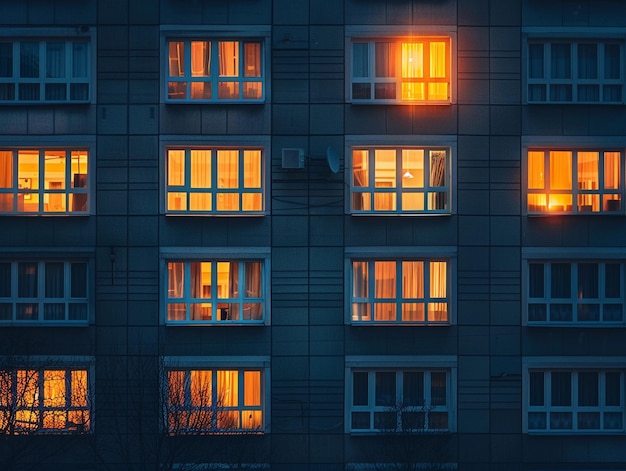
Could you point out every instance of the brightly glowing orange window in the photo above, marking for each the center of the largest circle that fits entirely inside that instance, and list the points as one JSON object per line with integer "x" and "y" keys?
{"x": 400, "y": 291}
{"x": 44, "y": 400}
{"x": 405, "y": 70}
{"x": 215, "y": 401}
{"x": 215, "y": 70}
{"x": 575, "y": 181}
{"x": 215, "y": 180}
{"x": 393, "y": 180}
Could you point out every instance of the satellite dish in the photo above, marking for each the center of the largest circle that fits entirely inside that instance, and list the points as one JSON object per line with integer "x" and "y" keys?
{"x": 332, "y": 159}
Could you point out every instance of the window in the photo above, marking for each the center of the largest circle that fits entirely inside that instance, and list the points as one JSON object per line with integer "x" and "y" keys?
{"x": 215, "y": 180}
{"x": 216, "y": 291}
{"x": 211, "y": 70}
{"x": 410, "y": 69}
{"x": 575, "y": 71}
{"x": 45, "y": 71}
{"x": 575, "y": 400}
{"x": 393, "y": 180}
{"x": 575, "y": 181}
{"x": 44, "y": 292}
{"x": 215, "y": 400}
{"x": 44, "y": 181}
{"x": 582, "y": 293}
{"x": 405, "y": 291}
{"x": 52, "y": 400}
{"x": 407, "y": 400}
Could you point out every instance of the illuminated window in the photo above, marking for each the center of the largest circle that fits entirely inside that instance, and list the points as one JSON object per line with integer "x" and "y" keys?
{"x": 44, "y": 181}
{"x": 575, "y": 181}
{"x": 567, "y": 400}
{"x": 37, "y": 292}
{"x": 50, "y": 71}
{"x": 575, "y": 71}
{"x": 414, "y": 291}
{"x": 401, "y": 70}
{"x": 586, "y": 292}
{"x": 215, "y": 70}
{"x": 44, "y": 401}
{"x": 406, "y": 400}
{"x": 388, "y": 180}
{"x": 215, "y": 400}
{"x": 215, "y": 180}
{"x": 216, "y": 291}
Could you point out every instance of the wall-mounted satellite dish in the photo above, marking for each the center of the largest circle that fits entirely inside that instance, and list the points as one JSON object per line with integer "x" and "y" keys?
{"x": 332, "y": 159}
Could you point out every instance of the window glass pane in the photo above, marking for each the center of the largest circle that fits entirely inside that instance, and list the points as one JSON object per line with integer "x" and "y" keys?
{"x": 612, "y": 280}
{"x": 177, "y": 59}
{"x": 176, "y": 167}
{"x": 561, "y": 280}
{"x": 55, "y": 59}
{"x": 535, "y": 61}
{"x": 6, "y": 59}
{"x": 228, "y": 58}
{"x": 5, "y": 280}
{"x": 385, "y": 279}
{"x": 437, "y": 168}
{"x": 28, "y": 169}
{"x": 385, "y": 388}
{"x": 359, "y": 389}
{"x": 79, "y": 169}
{"x": 612, "y": 61}
{"x": 385, "y": 61}
{"x": 536, "y": 280}
{"x": 385, "y": 168}
{"x": 227, "y": 169}
{"x": 438, "y": 389}
{"x": 587, "y": 61}
{"x": 54, "y": 280}
{"x": 588, "y": 280}
{"x": 588, "y": 389}
{"x": 175, "y": 279}
{"x": 560, "y": 170}
{"x": 27, "y": 280}
{"x": 413, "y": 279}
{"x": 78, "y": 273}
{"x": 438, "y": 279}
{"x": 613, "y": 389}
{"x": 200, "y": 167}
{"x": 360, "y": 60}
{"x": 612, "y": 173}
{"x": 29, "y": 59}
{"x": 561, "y": 389}
{"x": 413, "y": 168}
{"x": 200, "y": 58}
{"x": 252, "y": 388}
{"x": 360, "y": 279}
{"x": 252, "y": 59}
{"x": 252, "y": 169}
{"x": 6, "y": 170}
{"x": 228, "y": 279}
{"x": 536, "y": 386}
{"x": 438, "y": 60}
{"x": 200, "y": 279}
{"x": 412, "y": 60}
{"x": 413, "y": 389}
{"x": 228, "y": 388}
{"x": 535, "y": 170}
{"x": 561, "y": 62}
{"x": 588, "y": 164}
{"x": 80, "y": 60}
{"x": 360, "y": 168}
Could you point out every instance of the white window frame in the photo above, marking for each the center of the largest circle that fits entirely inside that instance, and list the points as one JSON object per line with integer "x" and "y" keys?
{"x": 574, "y": 37}
{"x": 238, "y": 363}
{"x": 385, "y": 142}
{"x": 217, "y": 254}
{"x": 240, "y": 143}
{"x": 575, "y": 365}
{"x": 16, "y": 36}
{"x": 573, "y": 256}
{"x": 574, "y": 144}
{"x": 398, "y": 364}
{"x": 243, "y": 33}
{"x": 40, "y": 364}
{"x": 18, "y": 255}
{"x": 372, "y": 34}
{"x": 399, "y": 254}
{"x": 21, "y": 190}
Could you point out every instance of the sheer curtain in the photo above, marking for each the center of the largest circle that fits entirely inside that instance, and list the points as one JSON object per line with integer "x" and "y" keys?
{"x": 6, "y": 180}
{"x": 252, "y": 275}
{"x": 385, "y": 290}
{"x": 200, "y": 167}
{"x": 228, "y": 397}
{"x": 438, "y": 310}
{"x": 413, "y": 290}
{"x": 228, "y": 67}
{"x": 228, "y": 178}
{"x": 360, "y": 179}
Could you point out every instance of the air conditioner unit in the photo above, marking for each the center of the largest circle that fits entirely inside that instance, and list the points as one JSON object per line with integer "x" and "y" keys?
{"x": 293, "y": 158}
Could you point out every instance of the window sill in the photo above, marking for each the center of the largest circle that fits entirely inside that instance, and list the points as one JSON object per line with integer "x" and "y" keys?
{"x": 261, "y": 323}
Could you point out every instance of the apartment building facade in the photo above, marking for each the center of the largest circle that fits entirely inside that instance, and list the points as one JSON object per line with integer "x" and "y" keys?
{"x": 312, "y": 235}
